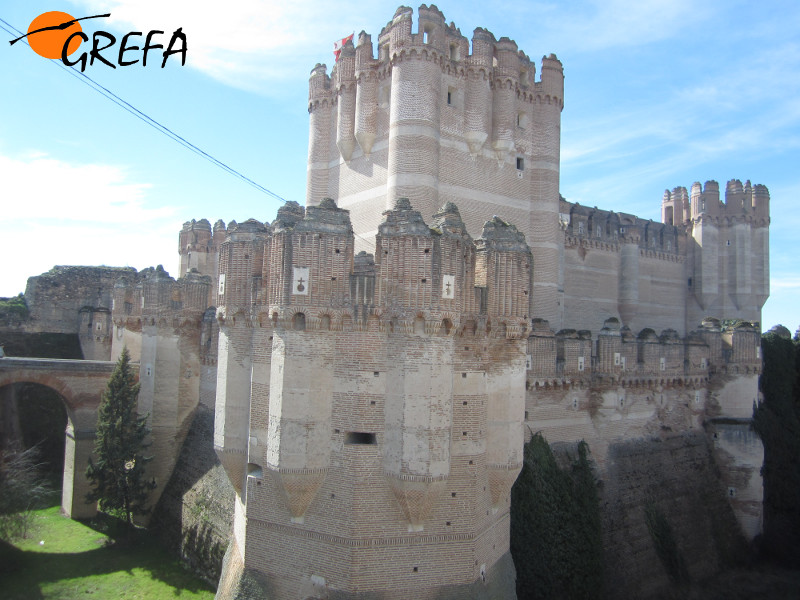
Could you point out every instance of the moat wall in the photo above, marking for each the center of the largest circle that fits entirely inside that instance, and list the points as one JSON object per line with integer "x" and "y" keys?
{"x": 677, "y": 475}
{"x": 195, "y": 512}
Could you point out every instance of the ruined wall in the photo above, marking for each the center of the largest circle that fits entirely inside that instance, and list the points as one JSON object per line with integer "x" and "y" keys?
{"x": 75, "y": 300}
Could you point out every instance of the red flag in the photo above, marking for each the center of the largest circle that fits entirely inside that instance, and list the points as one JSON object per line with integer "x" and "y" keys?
{"x": 337, "y": 46}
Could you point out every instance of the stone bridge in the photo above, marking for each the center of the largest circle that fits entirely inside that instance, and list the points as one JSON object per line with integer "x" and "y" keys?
{"x": 80, "y": 384}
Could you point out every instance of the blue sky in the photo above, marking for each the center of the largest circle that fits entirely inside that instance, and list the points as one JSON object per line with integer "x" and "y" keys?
{"x": 659, "y": 93}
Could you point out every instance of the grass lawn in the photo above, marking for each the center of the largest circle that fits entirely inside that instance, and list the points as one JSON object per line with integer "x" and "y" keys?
{"x": 80, "y": 560}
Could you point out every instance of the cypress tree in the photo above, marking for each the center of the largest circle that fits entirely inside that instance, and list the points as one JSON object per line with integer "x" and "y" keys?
{"x": 556, "y": 535}
{"x": 777, "y": 422}
{"x": 118, "y": 477}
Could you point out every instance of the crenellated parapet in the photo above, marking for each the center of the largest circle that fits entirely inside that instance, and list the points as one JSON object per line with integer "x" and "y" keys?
{"x": 617, "y": 356}
{"x": 727, "y": 246}
{"x": 596, "y": 228}
{"x": 152, "y": 298}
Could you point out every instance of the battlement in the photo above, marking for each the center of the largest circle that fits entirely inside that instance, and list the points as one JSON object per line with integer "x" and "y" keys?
{"x": 742, "y": 203}
{"x": 584, "y": 224}
{"x": 152, "y": 297}
{"x": 305, "y": 263}
{"x": 618, "y": 356}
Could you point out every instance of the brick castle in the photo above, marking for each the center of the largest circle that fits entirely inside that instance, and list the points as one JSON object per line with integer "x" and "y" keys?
{"x": 376, "y": 359}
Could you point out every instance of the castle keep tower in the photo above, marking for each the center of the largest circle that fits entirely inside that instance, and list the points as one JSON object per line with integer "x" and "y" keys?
{"x": 431, "y": 121}
{"x": 369, "y": 407}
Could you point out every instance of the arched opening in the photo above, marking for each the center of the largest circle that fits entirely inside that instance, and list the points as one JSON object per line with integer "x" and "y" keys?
{"x": 419, "y": 325}
{"x": 34, "y": 415}
{"x": 325, "y": 323}
{"x": 299, "y": 322}
{"x": 33, "y": 423}
{"x": 447, "y": 326}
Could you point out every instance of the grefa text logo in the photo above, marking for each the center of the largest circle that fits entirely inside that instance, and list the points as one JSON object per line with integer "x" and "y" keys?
{"x": 56, "y": 34}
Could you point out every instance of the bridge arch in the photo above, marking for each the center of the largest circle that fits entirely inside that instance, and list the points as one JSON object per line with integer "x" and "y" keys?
{"x": 80, "y": 383}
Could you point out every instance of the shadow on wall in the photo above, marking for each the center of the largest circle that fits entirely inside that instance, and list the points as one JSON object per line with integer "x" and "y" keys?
{"x": 193, "y": 516}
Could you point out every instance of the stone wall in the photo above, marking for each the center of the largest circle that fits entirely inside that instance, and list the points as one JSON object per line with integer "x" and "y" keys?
{"x": 195, "y": 511}
{"x": 679, "y": 477}
{"x": 75, "y": 300}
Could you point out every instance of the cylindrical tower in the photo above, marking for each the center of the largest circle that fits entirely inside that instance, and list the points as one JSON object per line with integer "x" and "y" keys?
{"x": 345, "y": 82}
{"x": 478, "y": 92}
{"x": 419, "y": 394}
{"x": 241, "y": 259}
{"x": 544, "y": 231}
{"x": 413, "y": 166}
{"x": 760, "y": 244}
{"x": 504, "y": 105}
{"x": 320, "y": 109}
{"x": 366, "y": 127}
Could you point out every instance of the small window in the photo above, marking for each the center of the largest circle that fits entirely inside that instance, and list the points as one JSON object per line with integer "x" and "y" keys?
{"x": 616, "y": 359}
{"x": 454, "y": 54}
{"x": 690, "y": 282}
{"x": 384, "y": 96}
{"x": 452, "y": 96}
{"x": 727, "y": 242}
{"x": 520, "y": 163}
{"x": 580, "y": 363}
{"x": 580, "y": 227}
{"x": 663, "y": 364}
{"x": 426, "y": 37}
{"x": 299, "y": 322}
{"x": 360, "y": 438}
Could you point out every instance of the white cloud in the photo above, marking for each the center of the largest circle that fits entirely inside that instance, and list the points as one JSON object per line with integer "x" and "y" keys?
{"x": 57, "y": 212}
{"x": 784, "y": 283}
{"x": 48, "y": 188}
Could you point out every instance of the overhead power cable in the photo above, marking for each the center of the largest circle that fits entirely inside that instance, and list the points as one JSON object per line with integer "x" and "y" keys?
{"x": 109, "y": 95}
